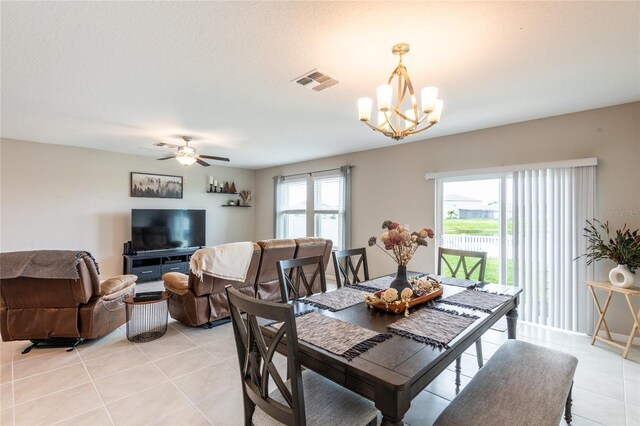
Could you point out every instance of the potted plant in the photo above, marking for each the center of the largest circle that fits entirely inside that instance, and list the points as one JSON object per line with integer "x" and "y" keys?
{"x": 623, "y": 248}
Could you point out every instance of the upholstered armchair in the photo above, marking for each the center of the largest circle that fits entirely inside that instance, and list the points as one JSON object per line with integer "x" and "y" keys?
{"x": 55, "y": 297}
{"x": 196, "y": 301}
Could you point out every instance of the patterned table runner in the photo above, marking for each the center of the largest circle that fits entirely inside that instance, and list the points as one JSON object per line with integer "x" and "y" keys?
{"x": 433, "y": 326}
{"x": 458, "y": 282}
{"x": 474, "y": 299}
{"x": 337, "y": 300}
{"x": 336, "y": 336}
{"x": 382, "y": 283}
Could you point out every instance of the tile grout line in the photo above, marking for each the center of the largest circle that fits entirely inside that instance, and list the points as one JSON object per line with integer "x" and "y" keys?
{"x": 174, "y": 385}
{"x": 95, "y": 387}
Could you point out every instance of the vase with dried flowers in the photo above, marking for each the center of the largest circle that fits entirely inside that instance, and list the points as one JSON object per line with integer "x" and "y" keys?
{"x": 623, "y": 248}
{"x": 403, "y": 243}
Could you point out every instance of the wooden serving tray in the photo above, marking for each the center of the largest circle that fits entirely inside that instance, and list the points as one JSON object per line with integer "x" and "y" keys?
{"x": 400, "y": 307}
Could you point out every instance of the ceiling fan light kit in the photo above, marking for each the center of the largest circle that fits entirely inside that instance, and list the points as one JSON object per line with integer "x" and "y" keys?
{"x": 409, "y": 121}
{"x": 186, "y": 155}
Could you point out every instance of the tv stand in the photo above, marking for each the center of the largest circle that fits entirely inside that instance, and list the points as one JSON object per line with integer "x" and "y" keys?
{"x": 150, "y": 266}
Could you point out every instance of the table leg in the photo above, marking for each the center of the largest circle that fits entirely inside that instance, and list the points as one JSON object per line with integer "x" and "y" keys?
{"x": 512, "y": 322}
{"x": 601, "y": 311}
{"x": 636, "y": 326}
{"x": 392, "y": 405}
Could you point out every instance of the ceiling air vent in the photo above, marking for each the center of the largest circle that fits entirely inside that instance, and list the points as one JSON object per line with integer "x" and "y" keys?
{"x": 316, "y": 80}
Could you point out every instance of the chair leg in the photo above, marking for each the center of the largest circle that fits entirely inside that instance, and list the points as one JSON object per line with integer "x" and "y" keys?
{"x": 567, "y": 406}
{"x": 458, "y": 370}
{"x": 479, "y": 352}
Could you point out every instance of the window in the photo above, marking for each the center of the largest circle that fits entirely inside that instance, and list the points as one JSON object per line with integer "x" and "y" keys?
{"x": 293, "y": 210}
{"x": 476, "y": 215}
{"x": 314, "y": 205}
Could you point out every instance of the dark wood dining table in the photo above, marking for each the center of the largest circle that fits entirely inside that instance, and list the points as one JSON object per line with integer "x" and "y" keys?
{"x": 395, "y": 371}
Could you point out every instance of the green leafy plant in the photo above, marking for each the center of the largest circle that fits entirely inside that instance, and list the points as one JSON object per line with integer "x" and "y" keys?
{"x": 623, "y": 248}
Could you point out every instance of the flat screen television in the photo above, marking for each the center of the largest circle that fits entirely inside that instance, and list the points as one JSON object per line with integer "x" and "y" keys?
{"x": 156, "y": 229}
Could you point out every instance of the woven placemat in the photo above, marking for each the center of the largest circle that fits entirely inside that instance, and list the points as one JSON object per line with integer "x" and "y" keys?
{"x": 336, "y": 336}
{"x": 337, "y": 300}
{"x": 480, "y": 300}
{"x": 433, "y": 326}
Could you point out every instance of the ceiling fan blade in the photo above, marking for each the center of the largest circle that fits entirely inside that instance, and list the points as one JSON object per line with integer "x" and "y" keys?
{"x": 168, "y": 157}
{"x": 211, "y": 157}
{"x": 202, "y": 163}
{"x": 165, "y": 144}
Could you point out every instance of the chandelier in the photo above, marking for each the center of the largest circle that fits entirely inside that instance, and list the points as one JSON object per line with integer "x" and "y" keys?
{"x": 409, "y": 121}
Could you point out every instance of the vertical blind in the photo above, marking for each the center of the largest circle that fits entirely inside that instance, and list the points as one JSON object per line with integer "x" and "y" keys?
{"x": 551, "y": 207}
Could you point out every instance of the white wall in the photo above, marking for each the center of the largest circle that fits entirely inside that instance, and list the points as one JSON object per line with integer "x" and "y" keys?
{"x": 61, "y": 197}
{"x": 389, "y": 183}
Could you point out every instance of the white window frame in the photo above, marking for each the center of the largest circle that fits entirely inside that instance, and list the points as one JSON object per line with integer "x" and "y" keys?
{"x": 502, "y": 234}
{"x": 311, "y": 213}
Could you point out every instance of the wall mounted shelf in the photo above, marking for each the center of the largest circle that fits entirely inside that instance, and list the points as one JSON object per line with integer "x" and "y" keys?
{"x": 226, "y": 205}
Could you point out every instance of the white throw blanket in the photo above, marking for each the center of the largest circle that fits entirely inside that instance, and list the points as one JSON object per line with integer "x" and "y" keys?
{"x": 228, "y": 261}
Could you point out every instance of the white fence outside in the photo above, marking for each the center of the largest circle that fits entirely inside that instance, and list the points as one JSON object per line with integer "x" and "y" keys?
{"x": 488, "y": 243}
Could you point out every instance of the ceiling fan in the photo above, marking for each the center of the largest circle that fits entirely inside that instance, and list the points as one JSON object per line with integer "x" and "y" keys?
{"x": 187, "y": 155}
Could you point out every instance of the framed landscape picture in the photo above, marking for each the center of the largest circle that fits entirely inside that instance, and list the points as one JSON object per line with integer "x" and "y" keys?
{"x": 150, "y": 185}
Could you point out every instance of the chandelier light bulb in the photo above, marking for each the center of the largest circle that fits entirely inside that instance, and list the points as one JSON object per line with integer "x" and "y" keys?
{"x": 382, "y": 121}
{"x": 434, "y": 117}
{"x": 429, "y": 96}
{"x": 384, "y": 97}
{"x": 364, "y": 108}
{"x": 409, "y": 114}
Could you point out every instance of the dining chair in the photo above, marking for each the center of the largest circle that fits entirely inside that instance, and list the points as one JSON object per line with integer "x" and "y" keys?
{"x": 348, "y": 263}
{"x": 470, "y": 265}
{"x": 306, "y": 398}
{"x": 298, "y": 277}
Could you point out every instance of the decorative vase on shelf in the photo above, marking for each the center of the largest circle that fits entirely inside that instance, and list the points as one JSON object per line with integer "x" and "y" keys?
{"x": 620, "y": 276}
{"x": 226, "y": 187}
{"x": 400, "y": 282}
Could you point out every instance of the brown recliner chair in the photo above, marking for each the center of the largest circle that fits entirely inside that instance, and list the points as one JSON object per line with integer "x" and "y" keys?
{"x": 54, "y": 297}
{"x": 196, "y": 301}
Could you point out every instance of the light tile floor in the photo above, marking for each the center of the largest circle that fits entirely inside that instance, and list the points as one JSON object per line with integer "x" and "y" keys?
{"x": 190, "y": 377}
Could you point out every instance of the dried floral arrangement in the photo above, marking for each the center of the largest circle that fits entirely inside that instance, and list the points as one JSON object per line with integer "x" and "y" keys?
{"x": 400, "y": 241}
{"x": 394, "y": 302}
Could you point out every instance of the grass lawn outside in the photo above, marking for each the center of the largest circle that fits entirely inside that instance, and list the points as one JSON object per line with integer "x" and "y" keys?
{"x": 475, "y": 226}
{"x": 488, "y": 227}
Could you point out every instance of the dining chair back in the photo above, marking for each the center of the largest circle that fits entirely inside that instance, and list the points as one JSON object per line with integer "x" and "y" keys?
{"x": 471, "y": 262}
{"x": 350, "y": 266}
{"x": 326, "y": 402}
{"x": 295, "y": 282}
{"x": 255, "y": 356}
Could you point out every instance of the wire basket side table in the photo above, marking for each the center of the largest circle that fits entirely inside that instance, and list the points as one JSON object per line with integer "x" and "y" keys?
{"x": 147, "y": 316}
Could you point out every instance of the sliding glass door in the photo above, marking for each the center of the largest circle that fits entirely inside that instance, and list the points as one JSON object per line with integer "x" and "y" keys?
{"x": 475, "y": 213}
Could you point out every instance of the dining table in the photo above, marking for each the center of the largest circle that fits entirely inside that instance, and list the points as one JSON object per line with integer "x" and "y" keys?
{"x": 394, "y": 371}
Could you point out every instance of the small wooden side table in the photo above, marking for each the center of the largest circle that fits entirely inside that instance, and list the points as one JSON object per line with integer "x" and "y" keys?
{"x": 628, "y": 294}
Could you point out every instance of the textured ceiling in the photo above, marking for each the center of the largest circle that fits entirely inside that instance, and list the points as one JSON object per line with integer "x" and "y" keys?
{"x": 120, "y": 76}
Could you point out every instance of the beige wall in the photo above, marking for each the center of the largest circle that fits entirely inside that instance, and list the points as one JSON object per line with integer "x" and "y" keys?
{"x": 60, "y": 197}
{"x": 389, "y": 183}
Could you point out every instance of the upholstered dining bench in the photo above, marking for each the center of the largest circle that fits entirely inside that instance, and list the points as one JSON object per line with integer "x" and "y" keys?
{"x": 522, "y": 384}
